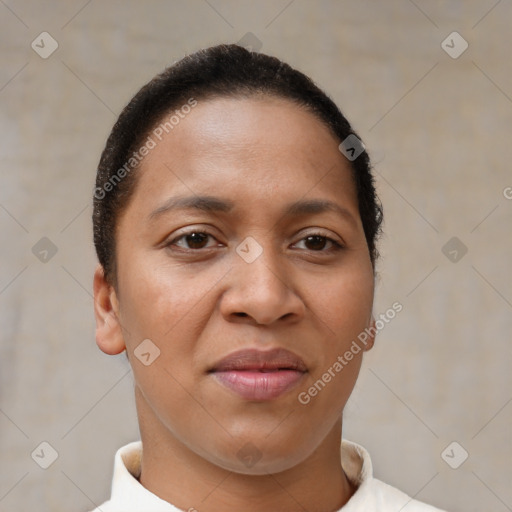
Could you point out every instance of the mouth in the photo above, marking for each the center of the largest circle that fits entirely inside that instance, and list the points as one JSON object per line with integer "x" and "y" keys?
{"x": 260, "y": 375}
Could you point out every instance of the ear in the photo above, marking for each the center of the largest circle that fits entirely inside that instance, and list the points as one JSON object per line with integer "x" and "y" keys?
{"x": 109, "y": 336}
{"x": 371, "y": 331}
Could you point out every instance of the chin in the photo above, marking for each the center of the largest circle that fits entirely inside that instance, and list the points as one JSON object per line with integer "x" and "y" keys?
{"x": 257, "y": 455}
{"x": 261, "y": 465}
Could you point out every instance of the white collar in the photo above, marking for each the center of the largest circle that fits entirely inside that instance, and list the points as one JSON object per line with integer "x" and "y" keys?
{"x": 128, "y": 494}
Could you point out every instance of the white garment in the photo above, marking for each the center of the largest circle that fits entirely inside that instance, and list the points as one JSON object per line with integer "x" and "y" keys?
{"x": 128, "y": 495}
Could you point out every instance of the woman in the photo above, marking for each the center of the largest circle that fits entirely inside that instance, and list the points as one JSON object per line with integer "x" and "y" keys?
{"x": 235, "y": 222}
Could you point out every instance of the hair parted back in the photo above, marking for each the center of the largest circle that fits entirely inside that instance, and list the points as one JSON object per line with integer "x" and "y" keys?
{"x": 218, "y": 71}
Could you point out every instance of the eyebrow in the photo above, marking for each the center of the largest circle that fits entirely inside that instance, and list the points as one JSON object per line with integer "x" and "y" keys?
{"x": 215, "y": 204}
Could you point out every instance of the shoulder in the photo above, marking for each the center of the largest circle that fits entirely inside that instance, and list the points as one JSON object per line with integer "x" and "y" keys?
{"x": 373, "y": 494}
{"x": 105, "y": 507}
{"x": 385, "y": 497}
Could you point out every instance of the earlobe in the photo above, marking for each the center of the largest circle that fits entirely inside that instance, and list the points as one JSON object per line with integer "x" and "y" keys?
{"x": 371, "y": 330}
{"x": 109, "y": 336}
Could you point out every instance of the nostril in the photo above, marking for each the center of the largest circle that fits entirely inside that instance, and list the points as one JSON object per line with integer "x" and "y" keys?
{"x": 241, "y": 314}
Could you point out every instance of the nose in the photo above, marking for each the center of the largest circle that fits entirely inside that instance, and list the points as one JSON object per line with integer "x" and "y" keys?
{"x": 261, "y": 291}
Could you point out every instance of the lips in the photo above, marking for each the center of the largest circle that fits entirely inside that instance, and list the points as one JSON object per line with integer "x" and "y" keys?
{"x": 260, "y": 375}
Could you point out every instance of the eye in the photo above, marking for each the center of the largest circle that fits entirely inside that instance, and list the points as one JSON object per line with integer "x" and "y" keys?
{"x": 317, "y": 242}
{"x": 195, "y": 239}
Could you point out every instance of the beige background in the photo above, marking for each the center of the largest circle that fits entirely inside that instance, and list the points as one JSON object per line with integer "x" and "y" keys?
{"x": 439, "y": 130}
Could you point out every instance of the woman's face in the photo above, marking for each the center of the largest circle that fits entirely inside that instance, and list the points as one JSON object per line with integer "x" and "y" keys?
{"x": 283, "y": 264}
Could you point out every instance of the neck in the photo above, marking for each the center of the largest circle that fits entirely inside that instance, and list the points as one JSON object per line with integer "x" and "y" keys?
{"x": 176, "y": 474}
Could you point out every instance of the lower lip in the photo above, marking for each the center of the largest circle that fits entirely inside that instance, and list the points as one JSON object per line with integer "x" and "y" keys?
{"x": 255, "y": 385}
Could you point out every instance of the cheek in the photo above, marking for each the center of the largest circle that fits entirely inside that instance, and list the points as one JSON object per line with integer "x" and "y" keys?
{"x": 323, "y": 397}
{"x": 159, "y": 299}
{"x": 169, "y": 305}
{"x": 344, "y": 309}
{"x": 345, "y": 302}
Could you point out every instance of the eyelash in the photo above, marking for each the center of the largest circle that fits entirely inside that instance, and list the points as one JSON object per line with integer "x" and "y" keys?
{"x": 336, "y": 246}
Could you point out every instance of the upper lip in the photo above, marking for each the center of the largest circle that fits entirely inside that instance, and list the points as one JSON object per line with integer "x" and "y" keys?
{"x": 253, "y": 359}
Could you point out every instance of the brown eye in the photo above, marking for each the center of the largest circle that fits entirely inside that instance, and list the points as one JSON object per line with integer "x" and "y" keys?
{"x": 196, "y": 240}
{"x": 192, "y": 240}
{"x": 318, "y": 243}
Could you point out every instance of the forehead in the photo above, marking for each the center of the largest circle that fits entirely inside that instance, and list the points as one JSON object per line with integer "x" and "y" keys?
{"x": 260, "y": 148}
{"x": 241, "y": 127}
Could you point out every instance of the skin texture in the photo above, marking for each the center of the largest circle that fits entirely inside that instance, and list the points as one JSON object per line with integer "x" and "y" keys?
{"x": 199, "y": 302}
